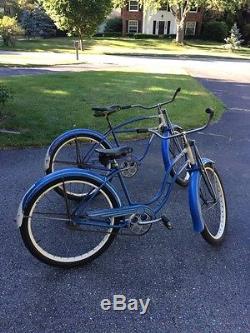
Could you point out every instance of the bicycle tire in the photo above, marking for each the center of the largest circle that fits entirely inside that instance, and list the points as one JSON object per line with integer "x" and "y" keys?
{"x": 67, "y": 142}
{"x": 37, "y": 229}
{"x": 213, "y": 214}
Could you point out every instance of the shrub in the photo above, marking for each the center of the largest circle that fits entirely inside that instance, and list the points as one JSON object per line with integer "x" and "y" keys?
{"x": 99, "y": 34}
{"x": 246, "y": 33}
{"x": 234, "y": 41}
{"x": 112, "y": 34}
{"x": 215, "y": 30}
{"x": 9, "y": 29}
{"x": 37, "y": 23}
{"x": 113, "y": 25}
{"x": 5, "y": 94}
{"x": 145, "y": 36}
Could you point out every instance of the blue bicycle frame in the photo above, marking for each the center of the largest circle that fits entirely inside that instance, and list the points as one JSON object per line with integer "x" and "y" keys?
{"x": 112, "y": 131}
{"x": 161, "y": 197}
{"x": 194, "y": 165}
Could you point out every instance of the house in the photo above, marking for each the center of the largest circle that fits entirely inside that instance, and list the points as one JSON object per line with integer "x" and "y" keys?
{"x": 137, "y": 20}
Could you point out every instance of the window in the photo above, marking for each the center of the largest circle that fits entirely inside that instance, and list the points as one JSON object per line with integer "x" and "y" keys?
{"x": 165, "y": 7}
{"x": 132, "y": 26}
{"x": 194, "y": 10}
{"x": 190, "y": 28}
{"x": 133, "y": 6}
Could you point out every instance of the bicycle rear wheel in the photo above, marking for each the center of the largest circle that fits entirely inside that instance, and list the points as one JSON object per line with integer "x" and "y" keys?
{"x": 213, "y": 210}
{"x": 76, "y": 152}
{"x": 51, "y": 230}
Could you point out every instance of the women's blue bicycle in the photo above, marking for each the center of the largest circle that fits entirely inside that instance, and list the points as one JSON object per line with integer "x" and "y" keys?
{"x": 77, "y": 148}
{"x": 71, "y": 216}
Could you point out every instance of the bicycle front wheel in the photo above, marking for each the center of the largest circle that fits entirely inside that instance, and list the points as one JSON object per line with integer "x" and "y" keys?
{"x": 175, "y": 148}
{"x": 213, "y": 207}
{"x": 51, "y": 230}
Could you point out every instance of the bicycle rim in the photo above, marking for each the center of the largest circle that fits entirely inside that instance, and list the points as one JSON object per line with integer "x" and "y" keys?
{"x": 213, "y": 210}
{"x": 78, "y": 152}
{"x": 51, "y": 232}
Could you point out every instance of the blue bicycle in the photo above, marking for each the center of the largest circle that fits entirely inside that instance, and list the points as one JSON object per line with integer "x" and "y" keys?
{"x": 77, "y": 148}
{"x": 68, "y": 230}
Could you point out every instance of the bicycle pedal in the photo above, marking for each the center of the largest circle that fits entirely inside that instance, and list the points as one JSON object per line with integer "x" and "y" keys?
{"x": 166, "y": 222}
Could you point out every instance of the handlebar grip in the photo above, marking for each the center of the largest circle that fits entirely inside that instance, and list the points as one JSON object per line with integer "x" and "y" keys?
{"x": 176, "y": 92}
{"x": 210, "y": 112}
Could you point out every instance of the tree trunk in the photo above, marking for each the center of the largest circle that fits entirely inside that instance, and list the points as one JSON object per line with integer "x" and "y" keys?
{"x": 80, "y": 39}
{"x": 180, "y": 14}
{"x": 180, "y": 26}
{"x": 81, "y": 43}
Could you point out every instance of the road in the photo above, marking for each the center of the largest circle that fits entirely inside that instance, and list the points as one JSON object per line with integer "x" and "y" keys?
{"x": 192, "y": 286}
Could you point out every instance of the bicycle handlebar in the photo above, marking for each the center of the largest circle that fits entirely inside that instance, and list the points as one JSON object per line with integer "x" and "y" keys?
{"x": 159, "y": 104}
{"x": 101, "y": 111}
{"x": 208, "y": 111}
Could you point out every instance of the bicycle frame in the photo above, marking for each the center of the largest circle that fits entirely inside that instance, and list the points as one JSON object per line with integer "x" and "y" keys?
{"x": 194, "y": 164}
{"x": 161, "y": 197}
{"x": 162, "y": 117}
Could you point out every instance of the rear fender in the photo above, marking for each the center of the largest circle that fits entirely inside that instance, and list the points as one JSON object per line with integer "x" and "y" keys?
{"x": 43, "y": 182}
{"x": 72, "y": 134}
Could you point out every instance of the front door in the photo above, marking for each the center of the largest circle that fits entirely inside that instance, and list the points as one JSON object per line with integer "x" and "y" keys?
{"x": 161, "y": 28}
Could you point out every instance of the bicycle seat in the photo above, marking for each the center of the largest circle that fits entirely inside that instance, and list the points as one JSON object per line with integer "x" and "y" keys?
{"x": 102, "y": 111}
{"x": 114, "y": 153}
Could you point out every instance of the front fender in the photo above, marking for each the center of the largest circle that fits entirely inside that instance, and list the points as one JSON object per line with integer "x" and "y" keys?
{"x": 165, "y": 147}
{"x": 165, "y": 150}
{"x": 194, "y": 197}
{"x": 72, "y": 134}
{"x": 40, "y": 184}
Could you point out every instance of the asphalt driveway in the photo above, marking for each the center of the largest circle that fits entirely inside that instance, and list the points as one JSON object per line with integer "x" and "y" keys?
{"x": 192, "y": 286}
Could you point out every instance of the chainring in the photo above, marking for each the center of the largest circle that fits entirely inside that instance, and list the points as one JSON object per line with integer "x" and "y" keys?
{"x": 139, "y": 229}
{"x": 129, "y": 168}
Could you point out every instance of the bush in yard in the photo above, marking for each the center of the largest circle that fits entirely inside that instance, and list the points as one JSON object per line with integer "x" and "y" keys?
{"x": 112, "y": 34}
{"x": 113, "y": 25}
{"x": 37, "y": 23}
{"x": 215, "y": 30}
{"x": 246, "y": 33}
{"x": 234, "y": 41}
{"x": 145, "y": 36}
{"x": 9, "y": 29}
{"x": 5, "y": 95}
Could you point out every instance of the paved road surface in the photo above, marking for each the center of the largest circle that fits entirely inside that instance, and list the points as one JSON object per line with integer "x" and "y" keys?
{"x": 192, "y": 287}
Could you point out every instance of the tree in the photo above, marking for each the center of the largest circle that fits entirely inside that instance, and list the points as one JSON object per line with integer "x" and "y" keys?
{"x": 80, "y": 17}
{"x": 9, "y": 29}
{"x": 36, "y": 22}
{"x": 180, "y": 9}
{"x": 234, "y": 41}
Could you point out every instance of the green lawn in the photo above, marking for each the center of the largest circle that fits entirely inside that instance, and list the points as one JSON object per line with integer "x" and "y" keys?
{"x": 46, "y": 105}
{"x": 129, "y": 45}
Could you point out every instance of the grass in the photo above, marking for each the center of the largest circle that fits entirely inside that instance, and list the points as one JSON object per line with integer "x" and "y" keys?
{"x": 46, "y": 105}
{"x": 129, "y": 45}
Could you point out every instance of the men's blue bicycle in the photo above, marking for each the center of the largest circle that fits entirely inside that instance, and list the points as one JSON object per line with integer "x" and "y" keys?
{"x": 70, "y": 217}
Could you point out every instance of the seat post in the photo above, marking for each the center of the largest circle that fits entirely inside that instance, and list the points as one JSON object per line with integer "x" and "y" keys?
{"x": 111, "y": 129}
